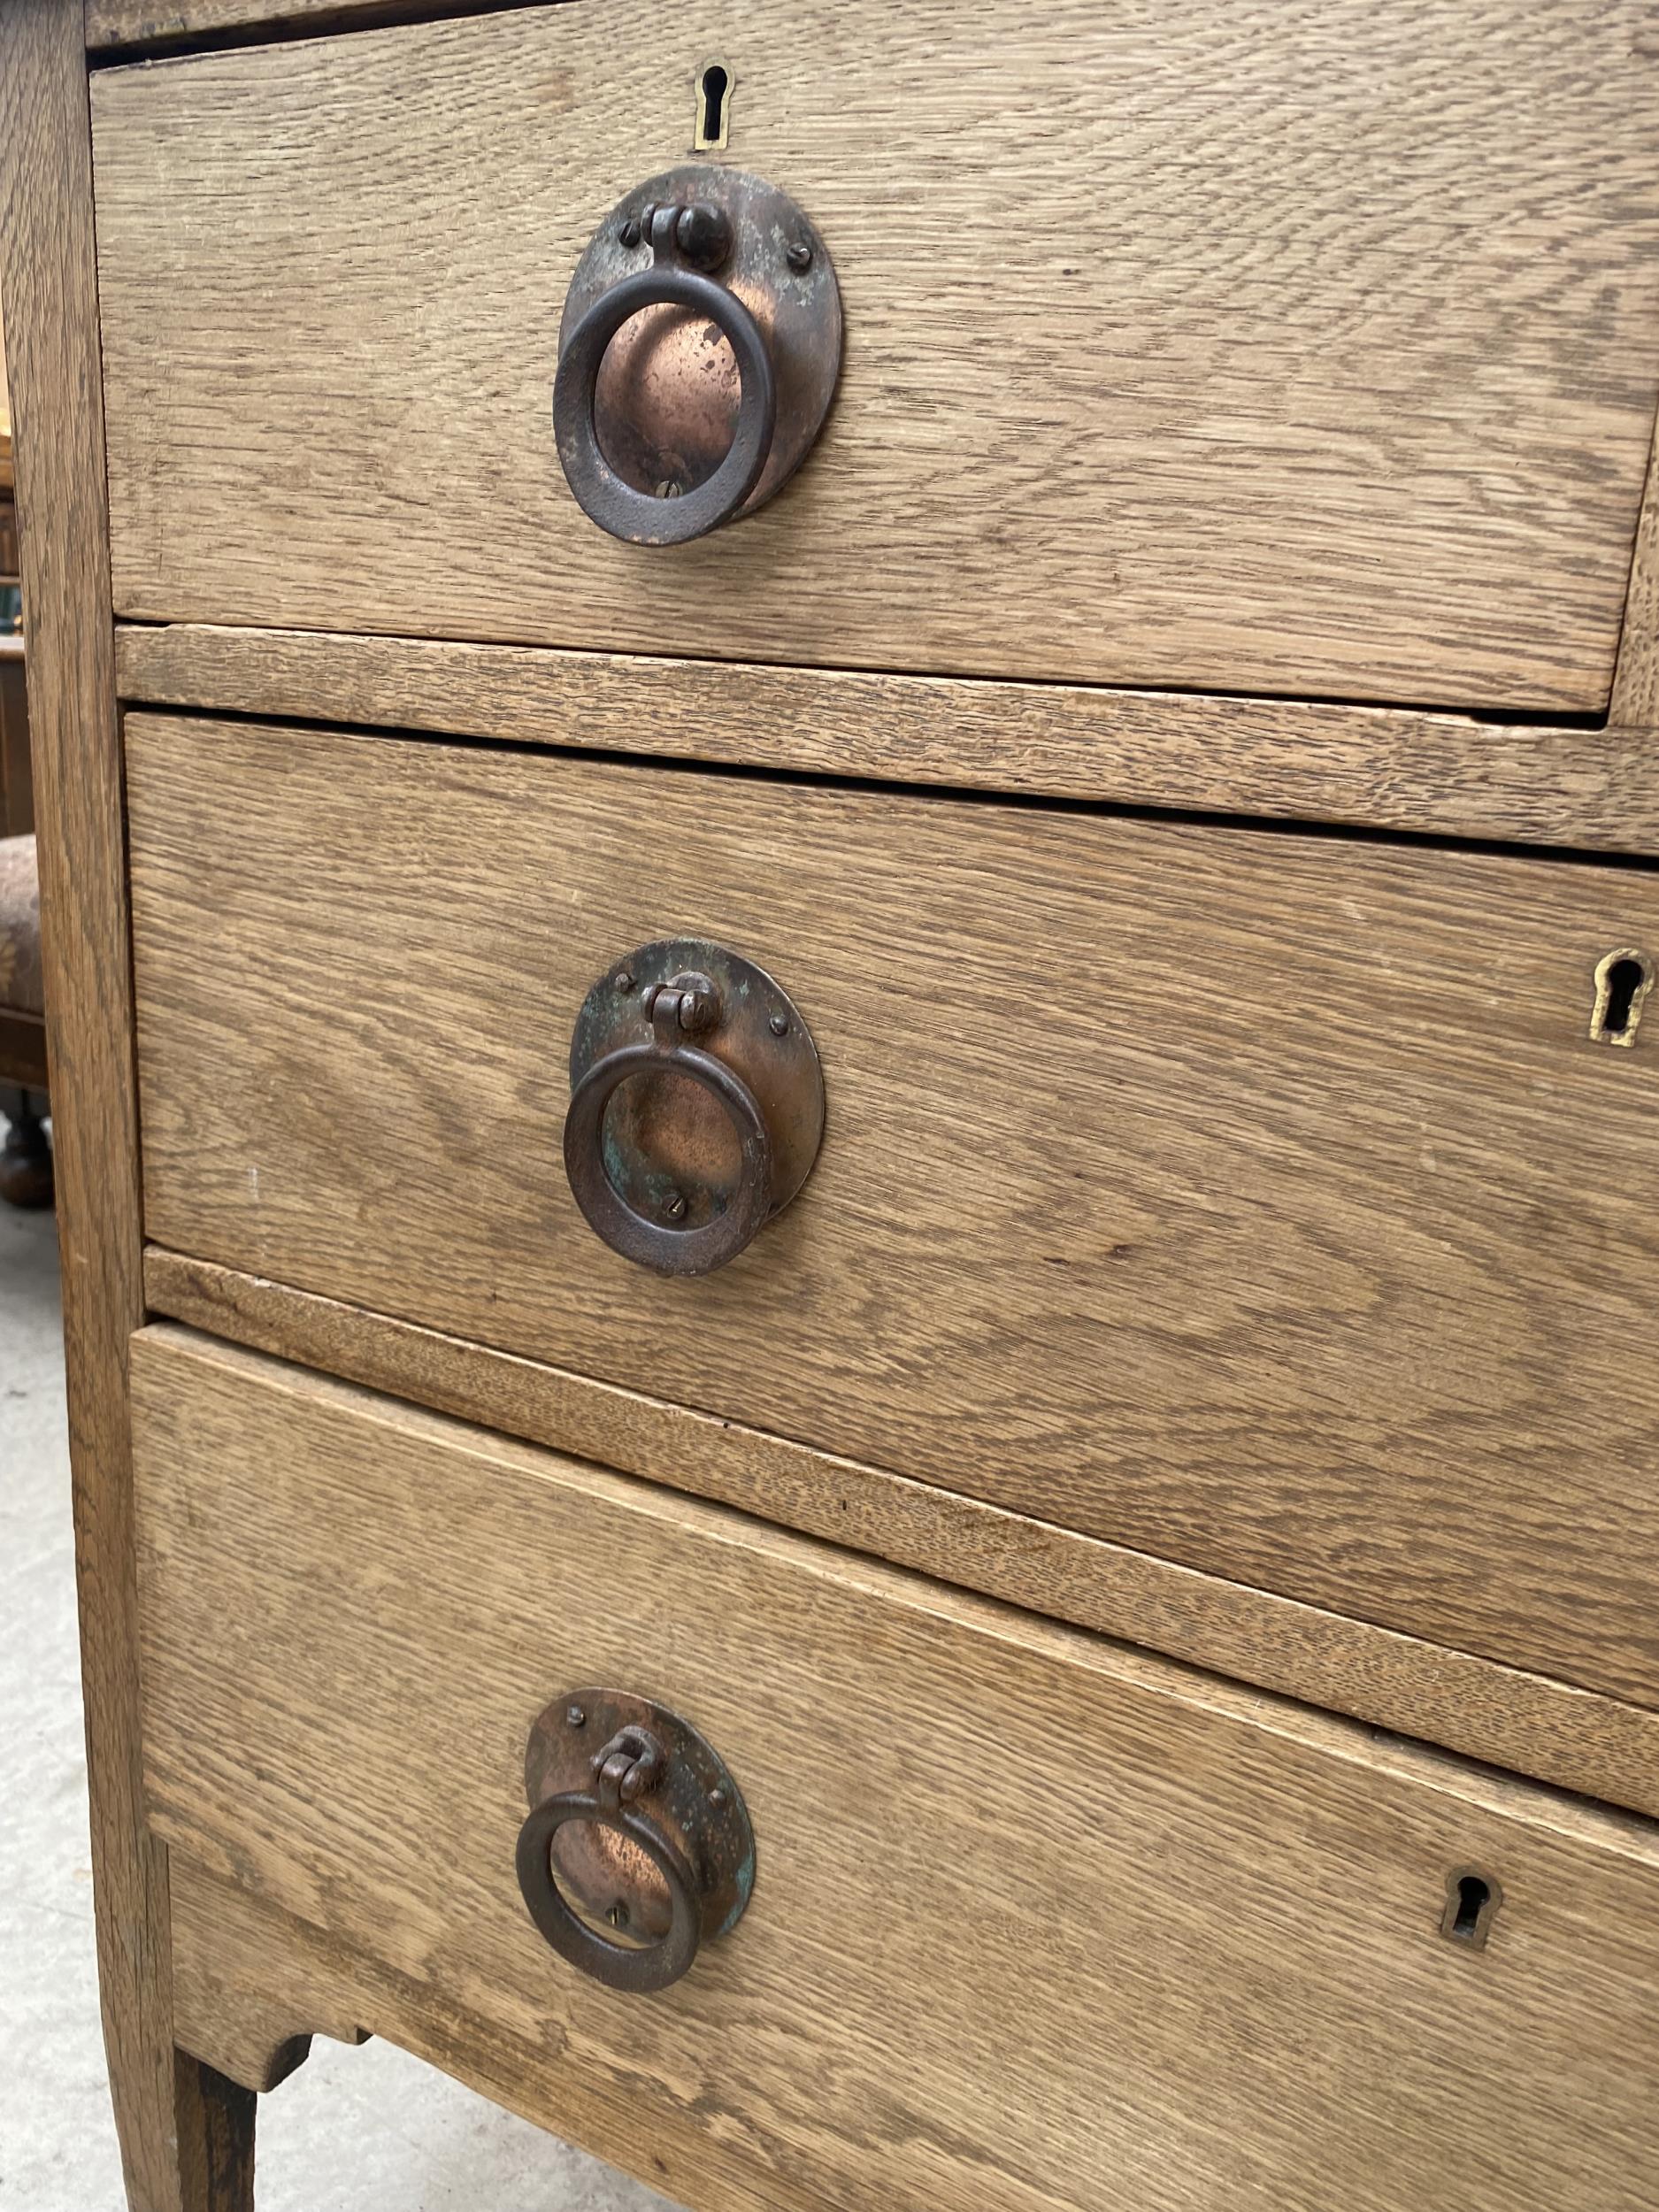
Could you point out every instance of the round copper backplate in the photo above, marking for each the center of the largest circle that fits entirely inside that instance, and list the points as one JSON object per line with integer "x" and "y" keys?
{"x": 671, "y": 1151}
{"x": 666, "y": 400}
{"x": 696, "y": 1807}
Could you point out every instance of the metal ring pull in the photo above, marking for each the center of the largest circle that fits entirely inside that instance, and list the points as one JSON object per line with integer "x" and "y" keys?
{"x": 712, "y": 1198}
{"x": 684, "y": 1867}
{"x": 653, "y": 1244}
{"x": 618, "y": 1965}
{"x": 615, "y": 505}
{"x": 662, "y": 435}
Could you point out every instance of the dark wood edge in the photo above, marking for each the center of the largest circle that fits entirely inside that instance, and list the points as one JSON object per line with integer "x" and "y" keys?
{"x": 22, "y": 1048}
{"x": 185, "y": 2138}
{"x": 1430, "y": 773}
{"x": 1574, "y": 1738}
{"x": 1635, "y": 696}
{"x": 116, "y": 29}
{"x": 215, "y": 2137}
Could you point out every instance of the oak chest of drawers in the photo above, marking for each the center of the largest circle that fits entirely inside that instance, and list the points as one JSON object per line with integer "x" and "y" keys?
{"x": 849, "y": 828}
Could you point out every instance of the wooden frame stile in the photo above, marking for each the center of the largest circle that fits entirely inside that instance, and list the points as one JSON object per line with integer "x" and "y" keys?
{"x": 186, "y": 2132}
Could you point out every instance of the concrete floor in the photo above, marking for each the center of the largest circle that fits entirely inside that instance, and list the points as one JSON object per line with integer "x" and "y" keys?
{"x": 354, "y": 2131}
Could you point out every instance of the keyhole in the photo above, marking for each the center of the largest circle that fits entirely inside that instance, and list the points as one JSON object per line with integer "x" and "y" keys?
{"x": 1623, "y": 980}
{"x": 1470, "y": 1902}
{"x": 714, "y": 107}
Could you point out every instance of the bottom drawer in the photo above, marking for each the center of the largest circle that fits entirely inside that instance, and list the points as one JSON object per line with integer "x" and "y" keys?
{"x": 1038, "y": 1921}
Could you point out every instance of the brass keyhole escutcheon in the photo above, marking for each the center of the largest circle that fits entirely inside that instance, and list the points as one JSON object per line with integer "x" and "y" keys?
{"x": 713, "y": 126}
{"x": 1623, "y": 980}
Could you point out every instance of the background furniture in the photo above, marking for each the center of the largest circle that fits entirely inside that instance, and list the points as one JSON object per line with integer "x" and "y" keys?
{"x": 1086, "y": 1638}
{"x": 17, "y": 787}
{"x": 14, "y": 787}
{"x": 26, "y": 1159}
{"x": 25, "y": 1162}
{"x": 17, "y": 799}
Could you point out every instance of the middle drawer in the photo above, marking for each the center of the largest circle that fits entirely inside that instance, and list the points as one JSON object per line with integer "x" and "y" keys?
{"x": 1255, "y": 1199}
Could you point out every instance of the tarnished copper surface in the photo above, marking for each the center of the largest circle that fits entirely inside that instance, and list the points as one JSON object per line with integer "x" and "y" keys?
{"x": 666, "y": 402}
{"x": 611, "y": 1762}
{"x": 666, "y": 398}
{"x": 668, "y": 1145}
{"x": 670, "y": 515}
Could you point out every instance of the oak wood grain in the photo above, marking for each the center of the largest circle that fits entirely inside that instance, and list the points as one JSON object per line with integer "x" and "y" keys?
{"x": 245, "y": 2006}
{"x": 1449, "y": 775}
{"x": 115, "y": 23}
{"x": 1038, "y": 1920}
{"x": 1636, "y": 677}
{"x": 1527, "y": 1723}
{"x": 1253, "y": 1199}
{"x": 249, "y": 1971}
{"x": 1310, "y": 348}
{"x": 185, "y": 2137}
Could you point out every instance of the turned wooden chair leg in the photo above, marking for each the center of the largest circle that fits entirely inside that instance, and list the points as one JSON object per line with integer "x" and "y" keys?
{"x": 25, "y": 1157}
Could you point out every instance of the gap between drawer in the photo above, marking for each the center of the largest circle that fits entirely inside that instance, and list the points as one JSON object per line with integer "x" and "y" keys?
{"x": 1575, "y": 1740}
{"x": 1307, "y": 764}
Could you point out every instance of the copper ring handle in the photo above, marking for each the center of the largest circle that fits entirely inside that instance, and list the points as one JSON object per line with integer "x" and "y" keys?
{"x": 666, "y": 1847}
{"x": 641, "y": 1173}
{"x": 663, "y": 433}
{"x": 614, "y": 504}
{"x": 652, "y": 1244}
{"x": 618, "y": 1965}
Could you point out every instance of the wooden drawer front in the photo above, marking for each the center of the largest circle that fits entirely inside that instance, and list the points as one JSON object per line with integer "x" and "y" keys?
{"x": 1309, "y": 351}
{"x": 1256, "y": 1200}
{"x": 1039, "y": 1921}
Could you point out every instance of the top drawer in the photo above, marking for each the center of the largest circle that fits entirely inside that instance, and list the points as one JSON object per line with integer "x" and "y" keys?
{"x": 1310, "y": 351}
